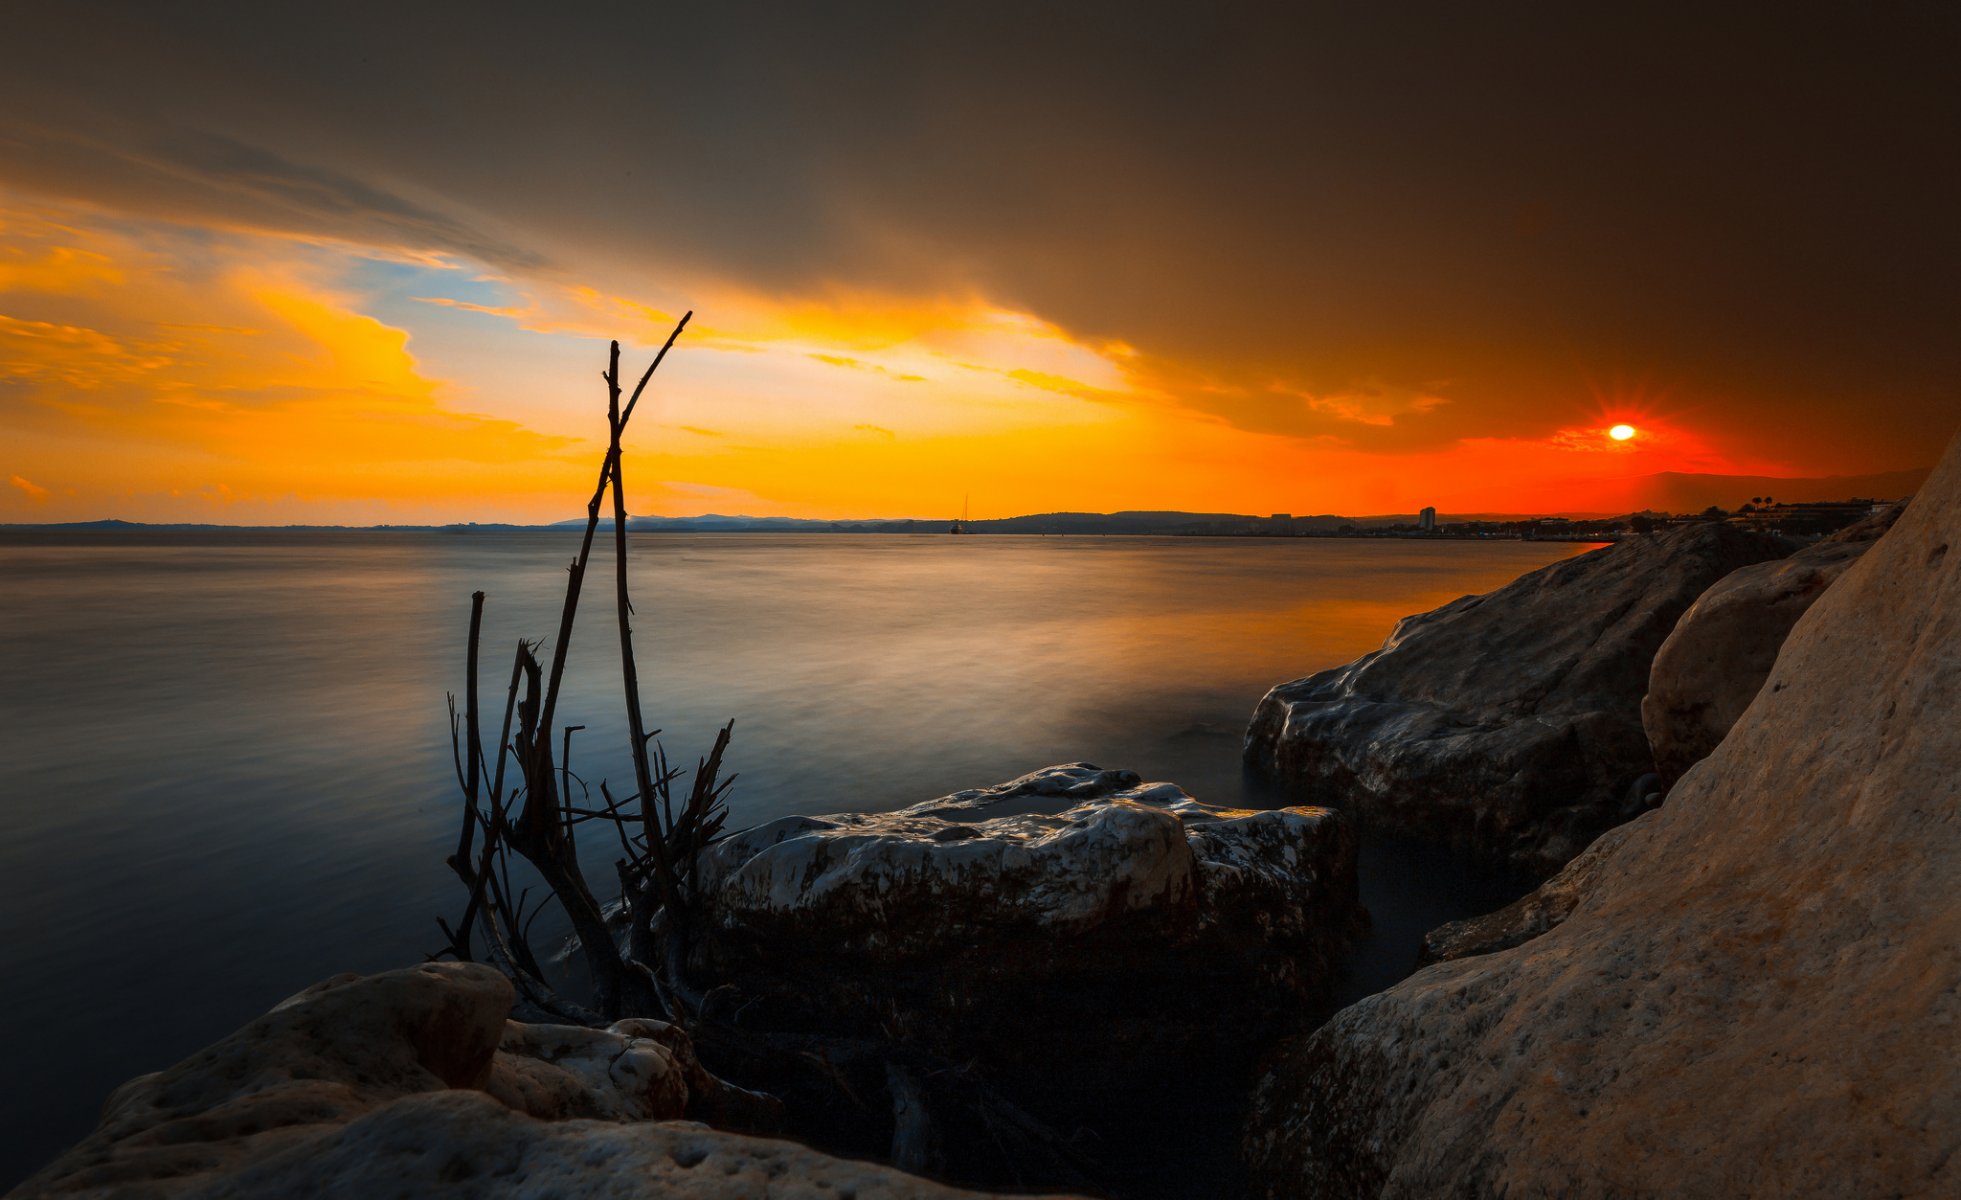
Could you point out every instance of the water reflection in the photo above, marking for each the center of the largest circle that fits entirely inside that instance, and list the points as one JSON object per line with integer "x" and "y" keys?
{"x": 227, "y": 764}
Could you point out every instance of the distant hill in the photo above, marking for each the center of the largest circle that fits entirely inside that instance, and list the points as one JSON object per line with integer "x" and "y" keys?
{"x": 1674, "y": 491}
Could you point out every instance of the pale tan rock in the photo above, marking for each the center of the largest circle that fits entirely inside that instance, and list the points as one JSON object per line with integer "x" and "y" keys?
{"x": 1721, "y": 651}
{"x": 558, "y": 1071}
{"x": 368, "y": 1087}
{"x": 464, "y": 1144}
{"x": 1759, "y": 994}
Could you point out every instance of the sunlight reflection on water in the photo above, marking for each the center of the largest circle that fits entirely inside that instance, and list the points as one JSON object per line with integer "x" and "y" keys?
{"x": 228, "y": 773}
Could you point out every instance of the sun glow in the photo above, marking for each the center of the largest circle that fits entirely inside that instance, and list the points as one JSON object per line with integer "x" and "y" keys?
{"x": 1621, "y": 433}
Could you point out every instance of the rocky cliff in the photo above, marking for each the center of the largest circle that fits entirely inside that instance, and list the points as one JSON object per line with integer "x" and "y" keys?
{"x": 1509, "y": 724}
{"x": 1756, "y": 989}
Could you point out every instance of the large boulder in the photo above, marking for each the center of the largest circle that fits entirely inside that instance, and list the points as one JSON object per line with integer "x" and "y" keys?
{"x": 1083, "y": 938}
{"x": 1721, "y": 651}
{"x": 1758, "y": 991}
{"x": 414, "y": 1083}
{"x": 1506, "y": 725}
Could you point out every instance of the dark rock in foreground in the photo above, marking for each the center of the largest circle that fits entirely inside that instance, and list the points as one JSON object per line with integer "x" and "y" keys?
{"x": 1722, "y": 649}
{"x": 413, "y": 1083}
{"x": 1506, "y": 725}
{"x": 1082, "y": 938}
{"x": 1756, "y": 991}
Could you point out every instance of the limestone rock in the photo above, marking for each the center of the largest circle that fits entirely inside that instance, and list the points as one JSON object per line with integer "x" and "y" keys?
{"x": 466, "y": 1144}
{"x": 370, "y": 1087}
{"x": 1721, "y": 651}
{"x": 1507, "y": 725}
{"x": 1064, "y": 850}
{"x": 1074, "y": 928}
{"x": 1760, "y": 992}
{"x": 625, "y": 1073}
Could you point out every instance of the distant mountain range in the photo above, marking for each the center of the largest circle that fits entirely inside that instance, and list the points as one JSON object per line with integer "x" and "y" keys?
{"x": 1669, "y": 492}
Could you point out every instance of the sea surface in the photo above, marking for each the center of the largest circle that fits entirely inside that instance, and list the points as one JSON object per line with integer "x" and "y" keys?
{"x": 225, "y": 769}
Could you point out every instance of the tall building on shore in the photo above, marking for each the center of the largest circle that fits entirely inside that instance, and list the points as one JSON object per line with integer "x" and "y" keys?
{"x": 1427, "y": 520}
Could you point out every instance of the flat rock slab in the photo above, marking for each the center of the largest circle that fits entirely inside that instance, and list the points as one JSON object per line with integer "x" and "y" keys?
{"x": 1754, "y": 991}
{"x": 1506, "y": 725}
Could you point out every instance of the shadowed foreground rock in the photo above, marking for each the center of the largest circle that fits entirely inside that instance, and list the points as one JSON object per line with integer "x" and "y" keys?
{"x": 1758, "y": 992}
{"x": 1721, "y": 651}
{"x": 1021, "y": 902}
{"x": 1092, "y": 945}
{"x": 1507, "y": 725}
{"x": 413, "y": 1083}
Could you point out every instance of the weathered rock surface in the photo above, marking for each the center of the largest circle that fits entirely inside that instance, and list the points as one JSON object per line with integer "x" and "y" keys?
{"x": 414, "y": 1083}
{"x": 1059, "y": 873}
{"x": 1721, "y": 651}
{"x": 1076, "y": 933}
{"x": 465, "y": 1144}
{"x": 1507, "y": 725}
{"x": 1759, "y": 994}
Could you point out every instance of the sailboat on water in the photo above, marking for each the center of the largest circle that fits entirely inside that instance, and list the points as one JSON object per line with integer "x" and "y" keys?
{"x": 960, "y": 526}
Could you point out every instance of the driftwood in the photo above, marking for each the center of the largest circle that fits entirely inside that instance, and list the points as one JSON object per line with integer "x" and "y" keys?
{"x": 538, "y": 819}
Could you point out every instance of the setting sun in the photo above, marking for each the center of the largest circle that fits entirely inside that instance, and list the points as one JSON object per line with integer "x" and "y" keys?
{"x": 1621, "y": 433}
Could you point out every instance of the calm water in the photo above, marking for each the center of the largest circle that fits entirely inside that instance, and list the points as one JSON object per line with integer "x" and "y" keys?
{"x": 226, "y": 762}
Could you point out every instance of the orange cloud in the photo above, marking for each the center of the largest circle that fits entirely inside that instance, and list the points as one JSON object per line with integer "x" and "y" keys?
{"x": 278, "y": 387}
{"x": 34, "y": 492}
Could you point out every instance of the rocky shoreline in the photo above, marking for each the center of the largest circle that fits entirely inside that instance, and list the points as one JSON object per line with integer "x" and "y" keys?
{"x": 1732, "y": 766}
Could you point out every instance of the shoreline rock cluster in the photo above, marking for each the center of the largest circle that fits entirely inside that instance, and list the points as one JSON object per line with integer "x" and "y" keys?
{"x": 1752, "y": 990}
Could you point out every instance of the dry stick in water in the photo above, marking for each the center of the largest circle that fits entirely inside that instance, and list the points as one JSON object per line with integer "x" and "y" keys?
{"x": 643, "y": 775}
{"x": 543, "y": 830}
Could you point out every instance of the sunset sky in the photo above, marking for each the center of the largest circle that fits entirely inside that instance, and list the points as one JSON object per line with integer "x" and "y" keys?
{"x": 358, "y": 263}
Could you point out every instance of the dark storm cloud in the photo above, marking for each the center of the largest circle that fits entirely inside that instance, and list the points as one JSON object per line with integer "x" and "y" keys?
{"x": 1749, "y": 209}
{"x": 194, "y": 175}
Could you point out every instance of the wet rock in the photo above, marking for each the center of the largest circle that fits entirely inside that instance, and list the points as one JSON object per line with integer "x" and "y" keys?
{"x": 1073, "y": 932}
{"x": 413, "y": 1083}
{"x": 1722, "y": 649}
{"x": 1506, "y": 725}
{"x": 1757, "y": 994}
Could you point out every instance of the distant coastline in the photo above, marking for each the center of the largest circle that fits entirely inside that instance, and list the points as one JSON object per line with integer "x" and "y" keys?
{"x": 1661, "y": 499}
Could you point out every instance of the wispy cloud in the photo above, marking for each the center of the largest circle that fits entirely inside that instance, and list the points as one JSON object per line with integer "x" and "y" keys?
{"x": 35, "y": 493}
{"x": 859, "y": 364}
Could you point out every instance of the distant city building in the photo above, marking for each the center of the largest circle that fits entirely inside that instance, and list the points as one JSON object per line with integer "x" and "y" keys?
{"x": 1427, "y": 520}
